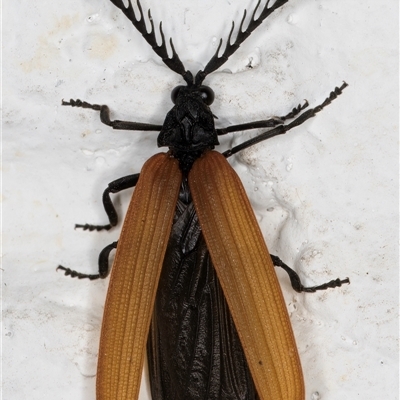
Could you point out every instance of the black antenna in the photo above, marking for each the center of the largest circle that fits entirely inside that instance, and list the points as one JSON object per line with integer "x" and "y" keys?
{"x": 174, "y": 63}
{"x": 216, "y": 61}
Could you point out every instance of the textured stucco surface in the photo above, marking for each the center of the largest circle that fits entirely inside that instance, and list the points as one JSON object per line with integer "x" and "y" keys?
{"x": 325, "y": 194}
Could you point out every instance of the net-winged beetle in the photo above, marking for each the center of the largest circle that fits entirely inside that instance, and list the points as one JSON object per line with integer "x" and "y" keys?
{"x": 192, "y": 277}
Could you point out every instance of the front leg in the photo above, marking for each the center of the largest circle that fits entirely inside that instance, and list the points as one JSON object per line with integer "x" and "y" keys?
{"x": 282, "y": 129}
{"x": 296, "y": 282}
{"x": 268, "y": 123}
{"x": 105, "y": 117}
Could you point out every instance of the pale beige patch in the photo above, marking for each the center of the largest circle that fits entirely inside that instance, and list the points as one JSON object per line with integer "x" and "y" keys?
{"x": 46, "y": 49}
{"x": 102, "y": 46}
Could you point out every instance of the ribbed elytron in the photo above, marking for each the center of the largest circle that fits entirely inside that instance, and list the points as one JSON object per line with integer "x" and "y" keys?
{"x": 192, "y": 278}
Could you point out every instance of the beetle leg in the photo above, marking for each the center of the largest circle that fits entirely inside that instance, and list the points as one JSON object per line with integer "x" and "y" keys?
{"x": 116, "y": 186}
{"x": 104, "y": 267}
{"x": 296, "y": 282}
{"x": 105, "y": 117}
{"x": 282, "y": 129}
{"x": 268, "y": 123}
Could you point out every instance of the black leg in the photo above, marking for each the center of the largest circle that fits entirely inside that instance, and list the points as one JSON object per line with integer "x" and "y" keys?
{"x": 268, "y": 123}
{"x": 114, "y": 187}
{"x": 282, "y": 129}
{"x": 105, "y": 117}
{"x": 296, "y": 282}
{"x": 104, "y": 268}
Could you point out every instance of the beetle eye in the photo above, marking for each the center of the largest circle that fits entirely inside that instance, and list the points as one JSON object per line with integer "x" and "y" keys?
{"x": 175, "y": 93}
{"x": 207, "y": 94}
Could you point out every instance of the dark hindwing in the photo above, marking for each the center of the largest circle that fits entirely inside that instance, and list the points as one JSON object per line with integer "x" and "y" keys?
{"x": 194, "y": 352}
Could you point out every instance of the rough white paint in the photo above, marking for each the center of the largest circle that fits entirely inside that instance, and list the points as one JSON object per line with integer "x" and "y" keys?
{"x": 325, "y": 194}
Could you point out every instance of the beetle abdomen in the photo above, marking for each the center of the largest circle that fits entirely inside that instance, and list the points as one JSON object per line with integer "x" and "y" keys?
{"x": 194, "y": 351}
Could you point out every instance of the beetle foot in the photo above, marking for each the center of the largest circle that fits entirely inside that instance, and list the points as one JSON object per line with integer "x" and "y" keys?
{"x": 75, "y": 274}
{"x": 80, "y": 103}
{"x": 329, "y": 285}
{"x": 295, "y": 111}
{"x": 89, "y": 227}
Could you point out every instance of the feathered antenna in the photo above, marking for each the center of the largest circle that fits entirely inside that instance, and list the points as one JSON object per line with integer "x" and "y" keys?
{"x": 174, "y": 63}
{"x": 216, "y": 61}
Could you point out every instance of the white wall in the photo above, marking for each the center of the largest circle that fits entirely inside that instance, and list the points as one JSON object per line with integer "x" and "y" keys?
{"x": 325, "y": 194}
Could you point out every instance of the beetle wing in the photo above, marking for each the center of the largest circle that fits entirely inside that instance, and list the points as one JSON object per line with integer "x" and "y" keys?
{"x": 134, "y": 279}
{"x": 247, "y": 277}
{"x": 194, "y": 351}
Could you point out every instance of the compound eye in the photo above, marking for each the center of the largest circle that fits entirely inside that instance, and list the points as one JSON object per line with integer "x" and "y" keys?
{"x": 207, "y": 94}
{"x": 175, "y": 93}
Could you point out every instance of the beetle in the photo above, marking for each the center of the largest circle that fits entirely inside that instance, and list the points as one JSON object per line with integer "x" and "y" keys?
{"x": 192, "y": 278}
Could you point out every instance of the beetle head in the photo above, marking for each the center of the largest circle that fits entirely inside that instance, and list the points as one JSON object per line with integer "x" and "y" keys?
{"x": 189, "y": 126}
